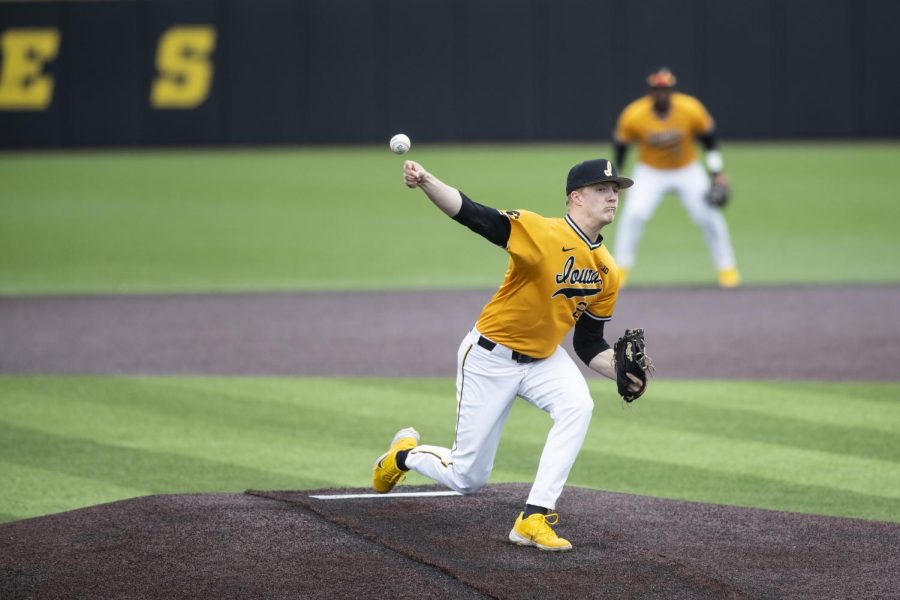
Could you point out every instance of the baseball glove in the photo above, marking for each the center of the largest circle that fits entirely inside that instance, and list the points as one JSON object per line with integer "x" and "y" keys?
{"x": 630, "y": 356}
{"x": 718, "y": 194}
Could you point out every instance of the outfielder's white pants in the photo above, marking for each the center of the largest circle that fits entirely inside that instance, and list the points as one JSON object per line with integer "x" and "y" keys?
{"x": 650, "y": 184}
{"x": 487, "y": 383}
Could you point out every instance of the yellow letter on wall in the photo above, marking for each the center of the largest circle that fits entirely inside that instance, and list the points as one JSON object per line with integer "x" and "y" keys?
{"x": 184, "y": 66}
{"x": 23, "y": 83}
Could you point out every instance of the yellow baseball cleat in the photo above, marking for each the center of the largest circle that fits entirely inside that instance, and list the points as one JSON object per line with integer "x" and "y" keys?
{"x": 386, "y": 473}
{"x": 729, "y": 278}
{"x": 536, "y": 531}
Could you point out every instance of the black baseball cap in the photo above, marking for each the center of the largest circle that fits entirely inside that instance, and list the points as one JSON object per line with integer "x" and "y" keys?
{"x": 594, "y": 171}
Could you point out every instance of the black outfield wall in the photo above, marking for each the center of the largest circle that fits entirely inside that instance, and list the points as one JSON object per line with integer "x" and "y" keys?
{"x": 172, "y": 72}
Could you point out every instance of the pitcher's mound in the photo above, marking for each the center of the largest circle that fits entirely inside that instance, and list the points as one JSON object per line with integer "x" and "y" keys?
{"x": 292, "y": 544}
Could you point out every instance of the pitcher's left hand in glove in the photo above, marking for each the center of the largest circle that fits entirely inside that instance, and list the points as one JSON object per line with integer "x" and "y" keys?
{"x": 632, "y": 364}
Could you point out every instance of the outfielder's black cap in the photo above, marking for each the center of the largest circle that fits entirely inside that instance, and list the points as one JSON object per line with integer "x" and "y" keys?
{"x": 594, "y": 171}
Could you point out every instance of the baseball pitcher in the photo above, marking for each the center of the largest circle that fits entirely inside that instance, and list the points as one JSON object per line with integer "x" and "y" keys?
{"x": 560, "y": 276}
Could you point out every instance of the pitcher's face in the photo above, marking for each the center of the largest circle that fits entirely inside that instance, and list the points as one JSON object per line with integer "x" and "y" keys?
{"x": 601, "y": 200}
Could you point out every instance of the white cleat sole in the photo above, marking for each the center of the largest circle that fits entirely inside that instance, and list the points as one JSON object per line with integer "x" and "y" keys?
{"x": 405, "y": 433}
{"x": 409, "y": 432}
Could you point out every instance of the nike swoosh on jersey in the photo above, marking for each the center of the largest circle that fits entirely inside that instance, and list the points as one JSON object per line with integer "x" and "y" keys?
{"x": 564, "y": 249}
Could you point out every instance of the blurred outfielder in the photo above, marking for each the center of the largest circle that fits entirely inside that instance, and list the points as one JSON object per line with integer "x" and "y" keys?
{"x": 560, "y": 275}
{"x": 664, "y": 124}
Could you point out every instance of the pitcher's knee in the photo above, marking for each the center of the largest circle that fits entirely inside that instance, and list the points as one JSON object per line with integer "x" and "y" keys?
{"x": 579, "y": 409}
{"x": 584, "y": 410}
{"x": 469, "y": 484}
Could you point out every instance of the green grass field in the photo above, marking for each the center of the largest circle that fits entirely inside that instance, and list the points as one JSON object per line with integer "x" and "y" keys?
{"x": 340, "y": 218}
{"x": 326, "y": 218}
{"x": 811, "y": 447}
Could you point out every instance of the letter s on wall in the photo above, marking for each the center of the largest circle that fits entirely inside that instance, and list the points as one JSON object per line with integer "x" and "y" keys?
{"x": 184, "y": 65}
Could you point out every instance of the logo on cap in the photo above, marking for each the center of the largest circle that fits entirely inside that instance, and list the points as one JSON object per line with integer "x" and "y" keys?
{"x": 594, "y": 171}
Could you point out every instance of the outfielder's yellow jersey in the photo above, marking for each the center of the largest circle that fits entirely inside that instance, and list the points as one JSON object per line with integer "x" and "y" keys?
{"x": 555, "y": 275}
{"x": 664, "y": 143}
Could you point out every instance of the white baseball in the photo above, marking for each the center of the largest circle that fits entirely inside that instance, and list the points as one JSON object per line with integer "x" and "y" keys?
{"x": 400, "y": 143}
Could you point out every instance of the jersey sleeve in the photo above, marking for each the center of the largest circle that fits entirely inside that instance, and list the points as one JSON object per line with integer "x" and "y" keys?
{"x": 527, "y": 229}
{"x": 701, "y": 121}
{"x": 625, "y": 130}
{"x": 602, "y": 309}
{"x": 487, "y": 222}
{"x": 588, "y": 340}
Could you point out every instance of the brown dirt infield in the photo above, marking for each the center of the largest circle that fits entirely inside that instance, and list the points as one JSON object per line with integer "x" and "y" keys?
{"x": 821, "y": 332}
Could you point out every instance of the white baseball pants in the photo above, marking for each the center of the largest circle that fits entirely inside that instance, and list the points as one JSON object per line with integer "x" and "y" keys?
{"x": 690, "y": 183}
{"x": 487, "y": 383}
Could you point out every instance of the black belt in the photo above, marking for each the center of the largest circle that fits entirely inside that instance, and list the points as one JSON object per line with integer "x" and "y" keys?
{"x": 516, "y": 356}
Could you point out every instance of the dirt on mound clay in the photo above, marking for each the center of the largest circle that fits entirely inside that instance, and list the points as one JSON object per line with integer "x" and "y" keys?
{"x": 291, "y": 545}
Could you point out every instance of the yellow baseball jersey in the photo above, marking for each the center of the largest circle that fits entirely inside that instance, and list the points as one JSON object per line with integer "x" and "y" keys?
{"x": 555, "y": 276}
{"x": 664, "y": 142}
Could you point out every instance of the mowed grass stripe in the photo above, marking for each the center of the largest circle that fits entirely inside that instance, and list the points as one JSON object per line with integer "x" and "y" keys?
{"x": 869, "y": 432}
{"x": 799, "y": 434}
{"x": 724, "y": 454}
{"x": 172, "y": 435}
{"x": 265, "y": 219}
{"x": 622, "y": 473}
{"x": 254, "y": 422}
{"x": 870, "y": 405}
{"x": 63, "y": 491}
{"x": 134, "y": 467}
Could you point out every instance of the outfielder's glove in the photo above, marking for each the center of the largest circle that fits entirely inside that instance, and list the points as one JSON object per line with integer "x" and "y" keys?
{"x": 630, "y": 357}
{"x": 718, "y": 194}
